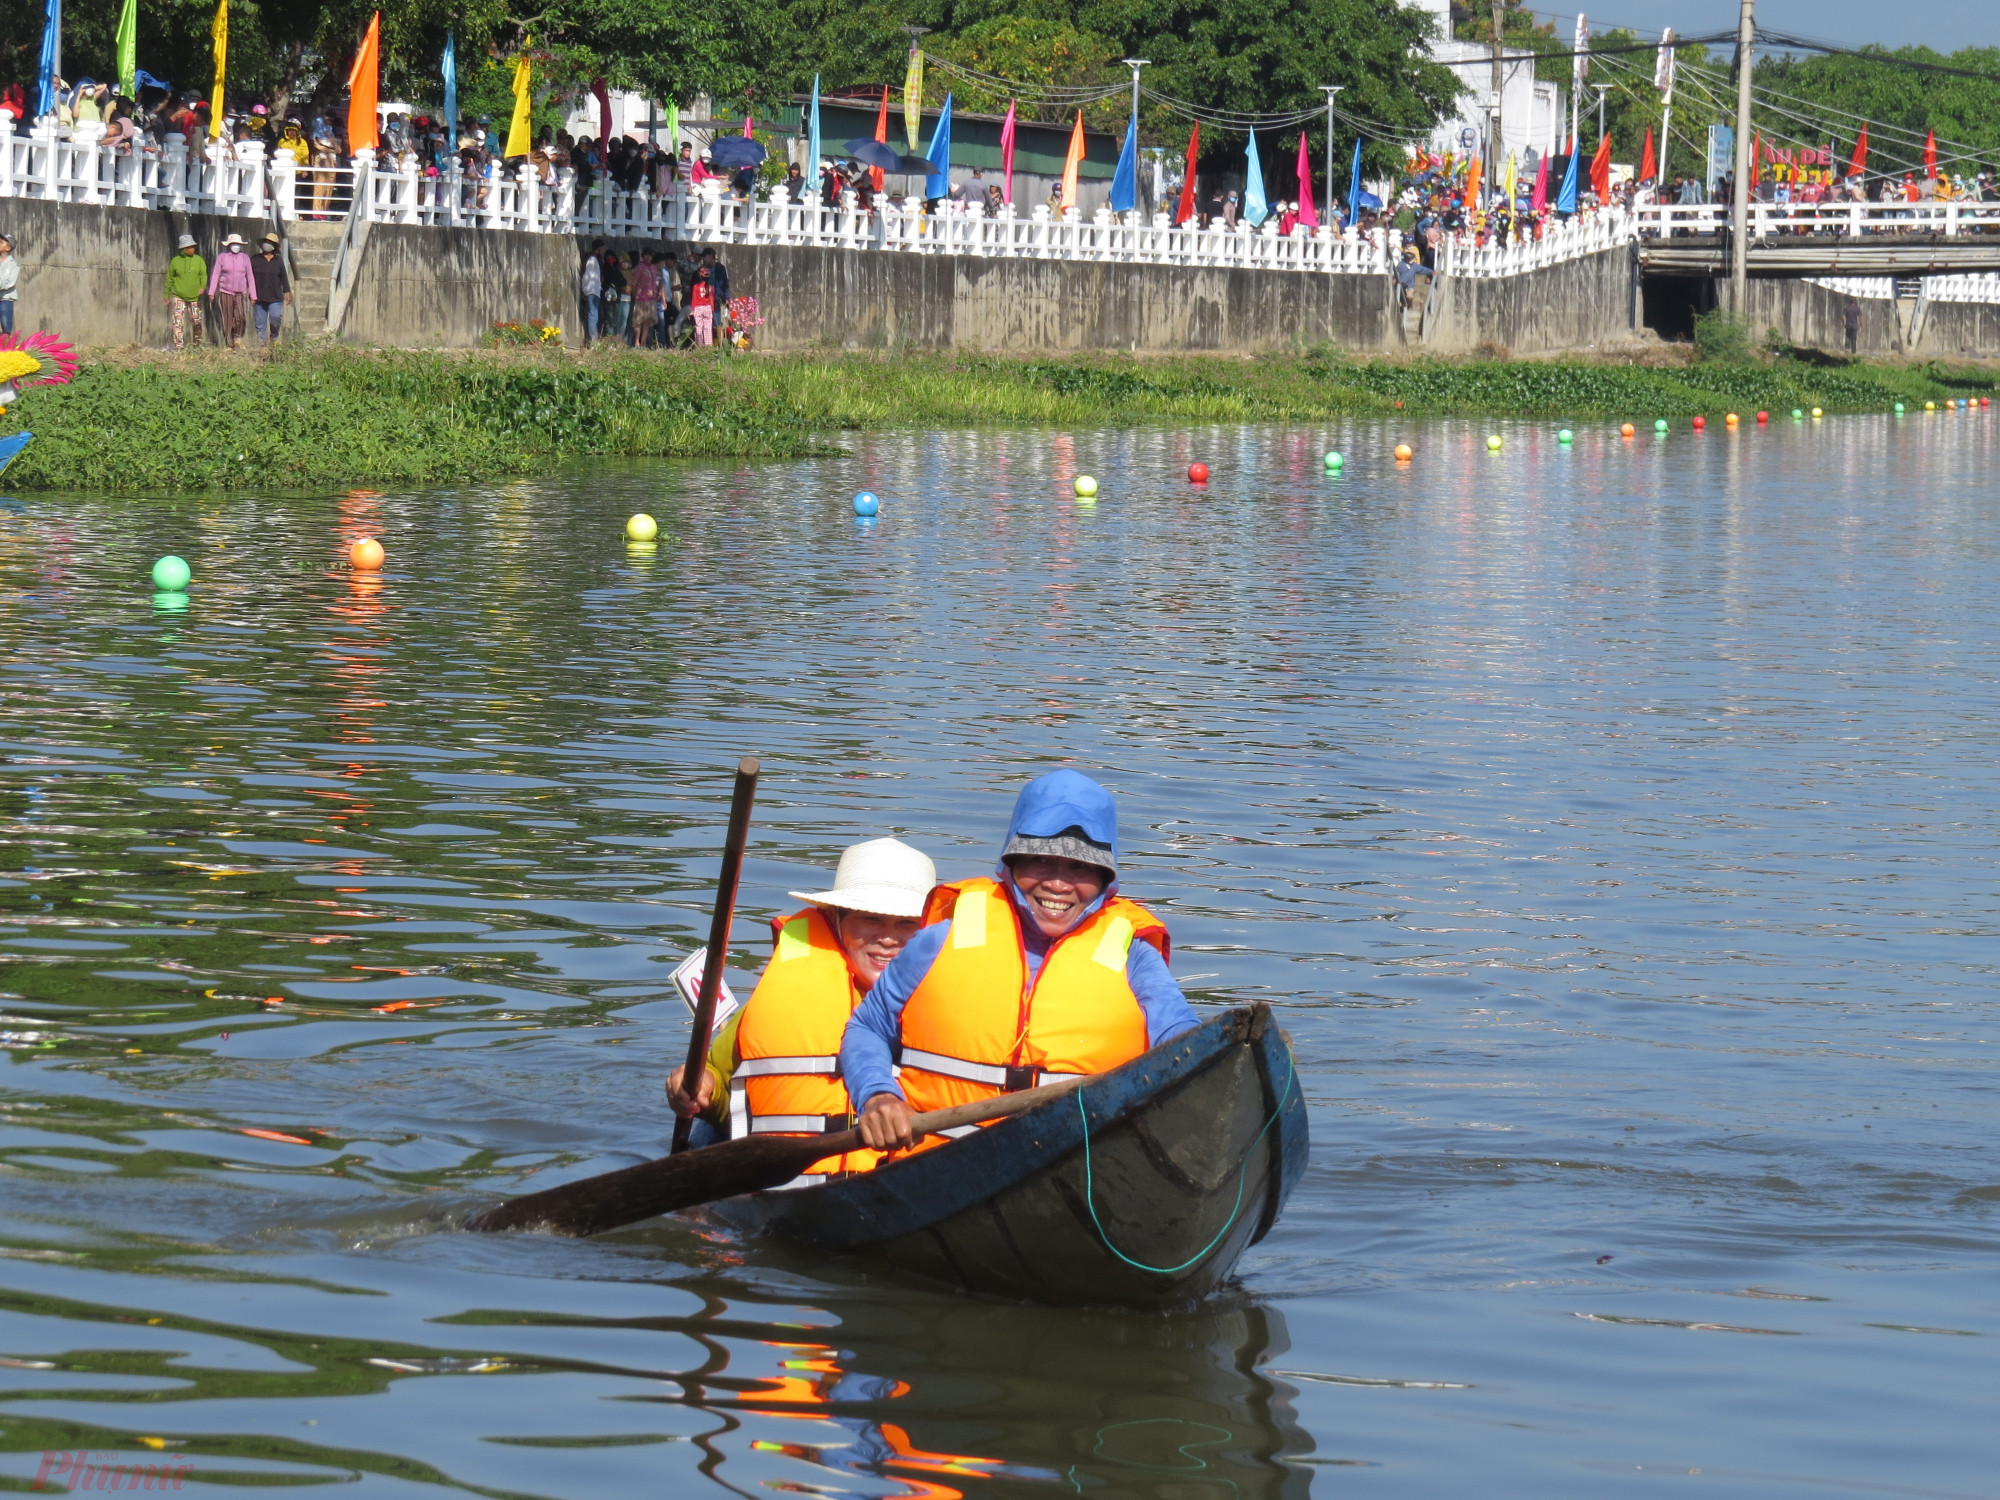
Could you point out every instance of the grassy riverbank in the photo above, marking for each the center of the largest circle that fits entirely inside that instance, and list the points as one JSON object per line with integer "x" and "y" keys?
{"x": 321, "y": 417}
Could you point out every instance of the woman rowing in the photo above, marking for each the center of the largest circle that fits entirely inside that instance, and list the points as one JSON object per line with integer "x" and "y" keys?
{"x": 774, "y": 1066}
{"x": 1043, "y": 972}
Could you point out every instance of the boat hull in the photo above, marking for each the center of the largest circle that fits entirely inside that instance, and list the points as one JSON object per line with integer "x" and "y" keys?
{"x": 1141, "y": 1190}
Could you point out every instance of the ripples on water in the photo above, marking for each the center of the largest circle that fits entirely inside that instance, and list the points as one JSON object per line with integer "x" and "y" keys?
{"x": 1613, "y": 826}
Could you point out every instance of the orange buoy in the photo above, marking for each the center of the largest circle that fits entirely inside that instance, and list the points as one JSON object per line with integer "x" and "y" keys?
{"x": 1626, "y": 430}
{"x": 1730, "y": 420}
{"x": 366, "y": 554}
{"x": 1404, "y": 453}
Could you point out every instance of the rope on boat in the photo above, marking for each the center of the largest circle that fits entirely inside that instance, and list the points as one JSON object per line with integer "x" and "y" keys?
{"x": 1242, "y": 1172}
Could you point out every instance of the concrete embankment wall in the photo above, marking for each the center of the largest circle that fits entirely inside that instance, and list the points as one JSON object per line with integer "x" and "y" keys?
{"x": 97, "y": 276}
{"x": 1575, "y": 305}
{"x": 1810, "y": 316}
{"x": 445, "y": 288}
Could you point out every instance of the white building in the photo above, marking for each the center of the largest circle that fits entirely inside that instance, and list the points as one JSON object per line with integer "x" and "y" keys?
{"x": 1532, "y": 113}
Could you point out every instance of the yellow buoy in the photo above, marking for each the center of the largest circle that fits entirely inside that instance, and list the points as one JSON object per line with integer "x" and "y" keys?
{"x": 642, "y": 528}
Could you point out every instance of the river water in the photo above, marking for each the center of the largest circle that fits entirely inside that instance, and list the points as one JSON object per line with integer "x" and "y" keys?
{"x": 1611, "y": 825}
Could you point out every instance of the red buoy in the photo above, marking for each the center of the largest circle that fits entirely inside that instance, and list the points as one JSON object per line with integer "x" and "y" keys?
{"x": 1763, "y": 416}
{"x": 1197, "y": 473}
{"x": 1699, "y": 423}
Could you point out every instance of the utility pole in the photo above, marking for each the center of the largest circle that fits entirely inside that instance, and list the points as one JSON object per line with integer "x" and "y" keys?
{"x": 1663, "y": 79}
{"x": 1739, "y": 208}
{"x": 1499, "y": 138}
{"x": 1330, "y": 89}
{"x": 1135, "y": 64}
{"x": 1602, "y": 90}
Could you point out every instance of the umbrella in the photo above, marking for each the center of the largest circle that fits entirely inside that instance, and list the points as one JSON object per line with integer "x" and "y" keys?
{"x": 1366, "y": 200}
{"x": 736, "y": 151}
{"x": 873, "y": 153}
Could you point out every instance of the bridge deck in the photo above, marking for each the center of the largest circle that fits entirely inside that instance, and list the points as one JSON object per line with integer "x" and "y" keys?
{"x": 1825, "y": 255}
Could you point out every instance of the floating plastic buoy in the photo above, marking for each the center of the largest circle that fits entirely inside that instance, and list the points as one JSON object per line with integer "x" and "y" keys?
{"x": 171, "y": 574}
{"x": 1763, "y": 417}
{"x": 1899, "y": 408}
{"x": 1817, "y": 413}
{"x": 1797, "y": 415}
{"x": 1985, "y": 401}
{"x": 642, "y": 528}
{"x": 1085, "y": 487}
{"x": 1399, "y": 406}
{"x": 1930, "y": 406}
{"x": 366, "y": 554}
{"x": 1493, "y": 442}
{"x": 1660, "y": 424}
{"x": 865, "y": 503}
{"x": 1334, "y": 460}
{"x": 1197, "y": 473}
{"x": 1404, "y": 453}
{"x": 1729, "y": 420}
{"x": 1565, "y": 436}
{"x": 1627, "y": 430}
{"x": 1700, "y": 423}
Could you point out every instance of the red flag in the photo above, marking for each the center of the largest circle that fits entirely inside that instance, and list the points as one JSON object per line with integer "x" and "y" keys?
{"x": 1006, "y": 148}
{"x": 1757, "y": 159}
{"x": 1600, "y": 170}
{"x": 1308, "y": 215}
{"x": 882, "y": 135}
{"x": 1930, "y": 153}
{"x": 1184, "y": 210}
{"x": 1861, "y": 151}
{"x": 1649, "y": 164}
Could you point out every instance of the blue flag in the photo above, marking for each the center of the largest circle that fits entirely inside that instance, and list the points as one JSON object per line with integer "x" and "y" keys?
{"x": 938, "y": 184}
{"x": 1256, "y": 209}
{"x": 1125, "y": 181}
{"x": 1354, "y": 185}
{"x": 812, "y": 141}
{"x": 451, "y": 91}
{"x": 45, "y": 82}
{"x": 1566, "y": 199}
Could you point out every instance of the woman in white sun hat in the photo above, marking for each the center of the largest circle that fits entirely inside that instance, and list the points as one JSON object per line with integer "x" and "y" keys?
{"x": 774, "y": 1067}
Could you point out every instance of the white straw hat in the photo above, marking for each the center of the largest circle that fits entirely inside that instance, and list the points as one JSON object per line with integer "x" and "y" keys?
{"x": 883, "y": 876}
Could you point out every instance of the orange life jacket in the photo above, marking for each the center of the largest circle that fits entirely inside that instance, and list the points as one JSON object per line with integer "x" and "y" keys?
{"x": 978, "y": 1026}
{"x": 788, "y": 1079}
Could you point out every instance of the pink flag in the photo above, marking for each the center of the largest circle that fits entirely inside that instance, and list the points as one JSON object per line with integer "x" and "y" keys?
{"x": 1540, "y": 198}
{"x": 746, "y": 125}
{"x": 1007, "y": 154}
{"x": 1308, "y": 215}
{"x": 603, "y": 112}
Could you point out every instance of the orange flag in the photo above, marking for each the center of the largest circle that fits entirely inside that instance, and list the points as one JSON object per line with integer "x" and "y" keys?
{"x": 1600, "y": 171}
{"x": 1930, "y": 153}
{"x": 1649, "y": 164}
{"x": 1861, "y": 151}
{"x": 1071, "y": 163}
{"x": 1472, "y": 175}
{"x": 363, "y": 83}
{"x": 881, "y": 134}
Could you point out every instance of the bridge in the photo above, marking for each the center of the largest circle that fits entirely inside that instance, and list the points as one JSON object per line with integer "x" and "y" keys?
{"x": 1832, "y": 239}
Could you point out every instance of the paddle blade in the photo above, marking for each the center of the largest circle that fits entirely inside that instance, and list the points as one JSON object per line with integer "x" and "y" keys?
{"x": 657, "y": 1187}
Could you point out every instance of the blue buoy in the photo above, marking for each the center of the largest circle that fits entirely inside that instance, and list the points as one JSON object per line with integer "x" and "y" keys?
{"x": 865, "y": 504}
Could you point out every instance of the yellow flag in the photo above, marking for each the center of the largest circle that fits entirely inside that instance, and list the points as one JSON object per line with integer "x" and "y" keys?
{"x": 913, "y": 101}
{"x": 520, "y": 134}
{"x": 1510, "y": 182}
{"x": 1070, "y": 164}
{"x": 220, "y": 32}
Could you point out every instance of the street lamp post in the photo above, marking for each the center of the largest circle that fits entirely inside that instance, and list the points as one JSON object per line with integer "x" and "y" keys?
{"x": 1602, "y": 89}
{"x": 1330, "y": 89}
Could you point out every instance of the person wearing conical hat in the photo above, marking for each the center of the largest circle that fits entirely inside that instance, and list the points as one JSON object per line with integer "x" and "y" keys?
{"x": 774, "y": 1066}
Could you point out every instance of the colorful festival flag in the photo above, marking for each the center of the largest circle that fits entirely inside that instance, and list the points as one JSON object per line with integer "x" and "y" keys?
{"x": 521, "y": 129}
{"x": 1308, "y": 214}
{"x": 1256, "y": 207}
{"x": 1071, "y": 163}
{"x": 128, "y": 49}
{"x": 1125, "y": 180}
{"x": 913, "y": 98}
{"x": 1649, "y": 166}
{"x": 1006, "y": 153}
{"x": 364, "y": 81}
{"x": 1861, "y": 151}
{"x": 1184, "y": 210}
{"x": 882, "y": 135}
{"x": 218, "y": 34}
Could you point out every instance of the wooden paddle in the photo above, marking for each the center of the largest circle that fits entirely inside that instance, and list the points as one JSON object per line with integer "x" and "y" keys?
{"x": 718, "y": 935}
{"x": 668, "y": 1183}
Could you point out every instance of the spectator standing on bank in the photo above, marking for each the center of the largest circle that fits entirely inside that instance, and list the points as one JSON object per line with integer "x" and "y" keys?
{"x": 10, "y": 282}
{"x": 1850, "y": 320}
{"x": 701, "y": 305}
{"x": 187, "y": 280}
{"x": 592, "y": 287}
{"x": 617, "y": 309}
{"x": 645, "y": 300}
{"x": 718, "y": 284}
{"x": 273, "y": 290}
{"x": 230, "y": 287}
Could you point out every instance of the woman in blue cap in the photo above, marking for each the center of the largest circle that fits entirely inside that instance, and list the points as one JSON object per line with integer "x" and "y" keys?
{"x": 1042, "y": 972}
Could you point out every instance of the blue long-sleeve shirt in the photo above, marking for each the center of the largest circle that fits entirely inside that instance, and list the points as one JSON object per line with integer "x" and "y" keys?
{"x": 874, "y": 1033}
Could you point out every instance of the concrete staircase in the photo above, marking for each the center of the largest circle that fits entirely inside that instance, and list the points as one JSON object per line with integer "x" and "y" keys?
{"x": 313, "y": 246}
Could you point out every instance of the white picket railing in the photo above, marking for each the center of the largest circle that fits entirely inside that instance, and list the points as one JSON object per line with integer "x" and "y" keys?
{"x": 1951, "y": 219}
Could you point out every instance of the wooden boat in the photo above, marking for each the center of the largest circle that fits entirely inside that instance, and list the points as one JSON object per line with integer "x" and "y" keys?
{"x": 1140, "y": 1190}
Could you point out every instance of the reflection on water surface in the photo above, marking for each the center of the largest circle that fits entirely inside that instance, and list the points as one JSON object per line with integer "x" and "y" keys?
{"x": 1607, "y": 824}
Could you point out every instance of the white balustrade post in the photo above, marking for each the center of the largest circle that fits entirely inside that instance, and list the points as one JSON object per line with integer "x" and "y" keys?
{"x": 531, "y": 196}
{"x": 362, "y": 199}
{"x": 283, "y": 176}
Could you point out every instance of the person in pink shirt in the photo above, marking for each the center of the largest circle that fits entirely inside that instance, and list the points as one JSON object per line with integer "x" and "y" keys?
{"x": 645, "y": 300}
{"x": 230, "y": 287}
